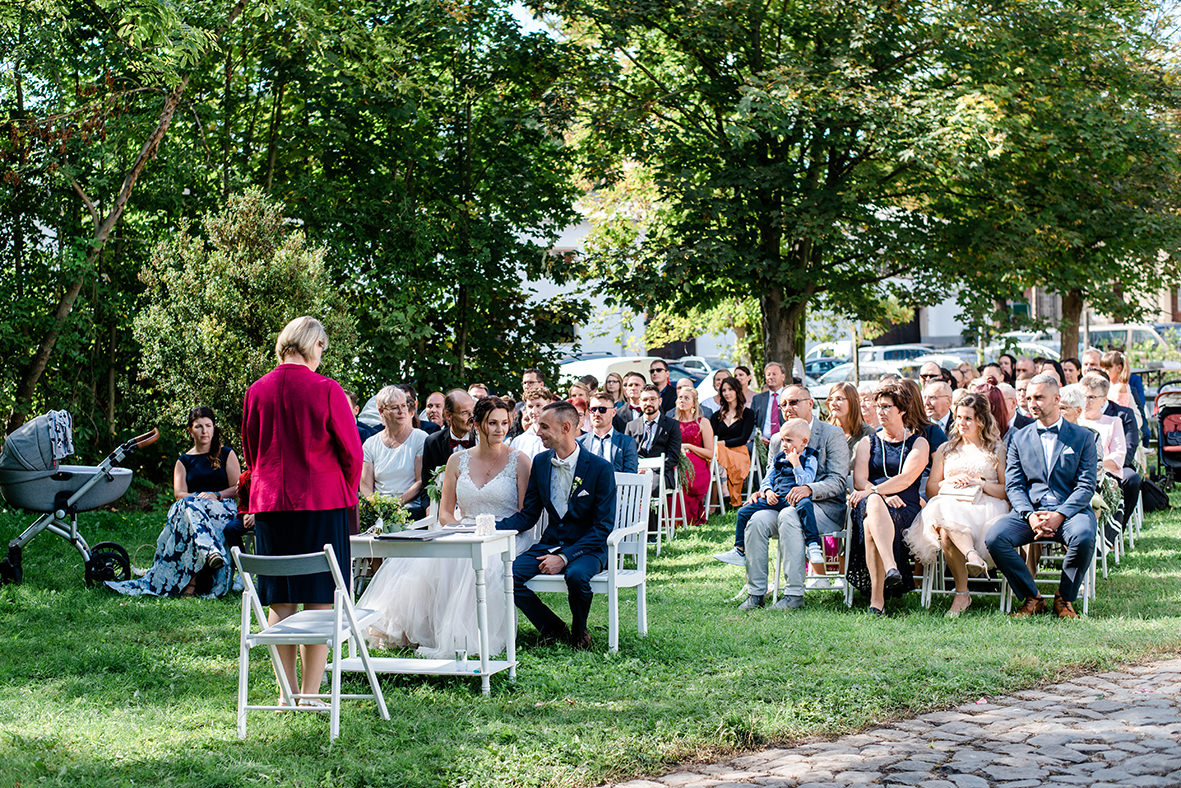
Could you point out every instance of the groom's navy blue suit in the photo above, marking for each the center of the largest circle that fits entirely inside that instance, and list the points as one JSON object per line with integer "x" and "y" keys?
{"x": 580, "y": 537}
{"x": 1066, "y": 487}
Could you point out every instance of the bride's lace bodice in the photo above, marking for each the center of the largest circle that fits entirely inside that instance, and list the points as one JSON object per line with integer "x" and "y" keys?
{"x": 498, "y": 497}
{"x": 970, "y": 460}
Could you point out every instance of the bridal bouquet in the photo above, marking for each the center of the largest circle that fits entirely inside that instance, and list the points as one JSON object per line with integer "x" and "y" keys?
{"x": 379, "y": 514}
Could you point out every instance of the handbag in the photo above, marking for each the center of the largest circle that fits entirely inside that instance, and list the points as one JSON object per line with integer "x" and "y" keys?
{"x": 1153, "y": 497}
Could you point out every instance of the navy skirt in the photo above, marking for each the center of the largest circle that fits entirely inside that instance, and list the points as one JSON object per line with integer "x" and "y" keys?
{"x": 292, "y": 533}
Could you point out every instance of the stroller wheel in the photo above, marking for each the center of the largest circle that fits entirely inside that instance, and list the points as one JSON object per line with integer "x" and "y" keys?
{"x": 108, "y": 561}
{"x": 10, "y": 567}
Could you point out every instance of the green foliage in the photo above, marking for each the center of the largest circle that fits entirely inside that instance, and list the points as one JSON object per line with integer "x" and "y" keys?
{"x": 215, "y": 303}
{"x": 390, "y": 511}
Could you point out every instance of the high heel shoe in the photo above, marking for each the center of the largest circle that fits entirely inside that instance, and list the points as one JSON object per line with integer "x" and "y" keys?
{"x": 976, "y": 568}
{"x": 953, "y": 613}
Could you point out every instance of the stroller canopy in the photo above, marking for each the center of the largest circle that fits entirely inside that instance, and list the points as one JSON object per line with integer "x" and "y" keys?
{"x": 39, "y": 444}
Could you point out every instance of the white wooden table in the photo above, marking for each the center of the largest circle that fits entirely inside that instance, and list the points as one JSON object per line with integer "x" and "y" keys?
{"x": 477, "y": 549}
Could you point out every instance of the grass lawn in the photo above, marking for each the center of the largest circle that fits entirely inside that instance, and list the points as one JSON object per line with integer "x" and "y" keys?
{"x": 99, "y": 690}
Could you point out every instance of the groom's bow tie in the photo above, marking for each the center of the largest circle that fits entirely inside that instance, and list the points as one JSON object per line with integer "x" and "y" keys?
{"x": 567, "y": 463}
{"x": 1048, "y": 430}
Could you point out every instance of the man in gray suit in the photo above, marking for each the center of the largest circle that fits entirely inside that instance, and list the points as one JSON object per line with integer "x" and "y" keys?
{"x": 828, "y": 496}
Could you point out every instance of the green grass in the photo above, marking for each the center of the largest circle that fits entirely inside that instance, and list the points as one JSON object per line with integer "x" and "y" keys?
{"x": 99, "y": 690}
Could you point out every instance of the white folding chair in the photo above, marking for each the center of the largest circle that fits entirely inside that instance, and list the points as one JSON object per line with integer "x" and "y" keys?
{"x": 935, "y": 581}
{"x": 677, "y": 493}
{"x": 1050, "y": 569}
{"x": 656, "y": 465}
{"x": 755, "y": 477}
{"x": 626, "y": 542}
{"x": 717, "y": 476}
{"x": 834, "y": 577}
{"x": 307, "y": 627}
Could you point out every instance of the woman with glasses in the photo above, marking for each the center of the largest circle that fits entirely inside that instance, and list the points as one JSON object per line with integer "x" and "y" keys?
{"x": 613, "y": 385}
{"x": 393, "y": 457}
{"x": 885, "y": 499}
{"x": 844, "y": 410}
{"x": 1112, "y": 446}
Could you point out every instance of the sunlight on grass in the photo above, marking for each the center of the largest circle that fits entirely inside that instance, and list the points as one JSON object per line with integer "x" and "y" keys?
{"x": 104, "y": 691}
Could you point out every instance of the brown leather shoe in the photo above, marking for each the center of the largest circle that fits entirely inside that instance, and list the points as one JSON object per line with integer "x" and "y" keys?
{"x": 1062, "y": 608}
{"x": 582, "y": 642}
{"x": 1030, "y": 607}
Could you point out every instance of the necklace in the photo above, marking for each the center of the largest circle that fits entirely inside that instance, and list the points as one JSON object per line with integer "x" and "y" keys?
{"x": 901, "y": 456}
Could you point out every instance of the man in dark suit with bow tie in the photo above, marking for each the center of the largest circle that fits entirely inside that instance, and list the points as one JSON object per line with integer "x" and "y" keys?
{"x": 1050, "y": 478}
{"x": 458, "y": 408}
{"x": 577, "y": 489}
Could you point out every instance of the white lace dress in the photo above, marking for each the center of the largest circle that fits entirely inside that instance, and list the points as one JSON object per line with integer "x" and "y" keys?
{"x": 974, "y": 516}
{"x": 431, "y": 603}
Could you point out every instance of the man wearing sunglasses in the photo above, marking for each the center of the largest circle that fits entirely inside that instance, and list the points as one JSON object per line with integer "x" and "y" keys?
{"x": 658, "y": 371}
{"x": 605, "y": 441}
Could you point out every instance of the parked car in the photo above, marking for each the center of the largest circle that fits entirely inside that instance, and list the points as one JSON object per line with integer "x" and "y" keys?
{"x": 842, "y": 349}
{"x": 703, "y": 364}
{"x": 893, "y": 352}
{"x": 1124, "y": 336}
{"x": 870, "y": 371}
{"x": 600, "y": 366}
{"x": 818, "y": 366}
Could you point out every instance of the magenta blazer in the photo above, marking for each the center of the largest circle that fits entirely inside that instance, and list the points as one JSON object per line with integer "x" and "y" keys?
{"x": 300, "y": 441}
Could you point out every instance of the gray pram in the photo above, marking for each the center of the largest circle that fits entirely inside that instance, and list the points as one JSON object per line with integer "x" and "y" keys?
{"x": 31, "y": 479}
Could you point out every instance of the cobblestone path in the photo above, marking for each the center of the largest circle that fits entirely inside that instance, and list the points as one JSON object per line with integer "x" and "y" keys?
{"x": 1113, "y": 729}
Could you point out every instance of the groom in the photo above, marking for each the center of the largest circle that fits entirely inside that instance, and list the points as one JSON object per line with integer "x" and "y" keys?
{"x": 1050, "y": 478}
{"x": 577, "y": 490}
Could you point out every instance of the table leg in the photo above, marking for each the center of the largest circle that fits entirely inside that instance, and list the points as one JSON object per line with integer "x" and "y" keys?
{"x": 482, "y": 620}
{"x": 510, "y": 612}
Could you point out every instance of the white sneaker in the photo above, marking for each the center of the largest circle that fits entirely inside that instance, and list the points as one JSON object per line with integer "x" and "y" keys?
{"x": 815, "y": 554}
{"x": 732, "y": 557}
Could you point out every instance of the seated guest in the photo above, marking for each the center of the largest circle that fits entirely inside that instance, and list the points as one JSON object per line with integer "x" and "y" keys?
{"x": 964, "y": 372}
{"x": 477, "y": 391}
{"x": 1025, "y": 366}
{"x": 604, "y": 441}
{"x": 365, "y": 431}
{"x": 658, "y": 372}
{"x": 1022, "y": 383}
{"x": 393, "y": 458}
{"x": 1072, "y": 368}
{"x": 993, "y": 371}
{"x": 456, "y": 434}
{"x": 697, "y": 442}
{"x": 733, "y": 424}
{"x": 579, "y": 397}
{"x": 613, "y": 385}
{"x": 934, "y": 434}
{"x": 710, "y": 406}
{"x": 745, "y": 378}
{"x": 937, "y": 404}
{"x": 965, "y": 496}
{"x": 768, "y": 417}
{"x": 1115, "y": 365}
{"x": 930, "y": 372}
{"x": 655, "y": 435}
{"x": 793, "y": 466}
{"x": 190, "y": 552}
{"x": 433, "y": 412}
{"x": 1052, "y": 367}
{"x": 1008, "y": 364}
{"x": 887, "y": 467}
{"x": 590, "y": 382}
{"x": 412, "y": 402}
{"x": 629, "y": 409}
{"x": 1014, "y": 419}
{"x": 996, "y": 403}
{"x": 844, "y": 411}
{"x": 1050, "y": 478}
{"x": 1122, "y": 423}
{"x": 431, "y": 603}
{"x": 869, "y": 414}
{"x": 529, "y": 442}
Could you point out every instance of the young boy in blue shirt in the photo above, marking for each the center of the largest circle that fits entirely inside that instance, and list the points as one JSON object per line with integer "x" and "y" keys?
{"x": 794, "y": 466}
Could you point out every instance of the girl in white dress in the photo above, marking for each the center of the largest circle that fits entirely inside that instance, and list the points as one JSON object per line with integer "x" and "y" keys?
{"x": 431, "y": 603}
{"x": 966, "y": 495}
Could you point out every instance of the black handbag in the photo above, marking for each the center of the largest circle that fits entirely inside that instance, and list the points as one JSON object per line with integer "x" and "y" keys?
{"x": 1154, "y": 498}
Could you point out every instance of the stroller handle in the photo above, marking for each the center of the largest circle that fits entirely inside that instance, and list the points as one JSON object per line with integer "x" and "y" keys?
{"x": 142, "y": 441}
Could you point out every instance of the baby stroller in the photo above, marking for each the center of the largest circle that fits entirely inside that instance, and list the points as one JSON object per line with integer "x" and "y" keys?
{"x": 31, "y": 479}
{"x": 1167, "y": 407}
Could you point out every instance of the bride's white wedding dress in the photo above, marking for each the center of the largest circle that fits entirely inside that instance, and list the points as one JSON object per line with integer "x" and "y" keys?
{"x": 431, "y": 602}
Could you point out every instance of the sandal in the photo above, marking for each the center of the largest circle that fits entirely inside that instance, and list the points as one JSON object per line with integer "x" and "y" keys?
{"x": 313, "y": 703}
{"x": 953, "y": 613}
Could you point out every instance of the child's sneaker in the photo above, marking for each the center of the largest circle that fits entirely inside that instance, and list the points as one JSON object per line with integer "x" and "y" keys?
{"x": 815, "y": 554}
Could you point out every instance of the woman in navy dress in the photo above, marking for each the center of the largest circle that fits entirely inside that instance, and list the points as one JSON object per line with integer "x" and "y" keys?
{"x": 887, "y": 467}
{"x": 190, "y": 552}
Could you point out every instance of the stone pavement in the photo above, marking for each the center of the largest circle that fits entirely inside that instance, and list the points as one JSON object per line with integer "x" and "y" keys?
{"x": 1113, "y": 729}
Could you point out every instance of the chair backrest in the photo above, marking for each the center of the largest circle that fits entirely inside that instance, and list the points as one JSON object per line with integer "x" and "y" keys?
{"x": 631, "y": 508}
{"x": 655, "y": 465}
{"x": 285, "y": 566}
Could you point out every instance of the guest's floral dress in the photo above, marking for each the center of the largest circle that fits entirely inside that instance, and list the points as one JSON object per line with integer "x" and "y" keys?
{"x": 696, "y": 488}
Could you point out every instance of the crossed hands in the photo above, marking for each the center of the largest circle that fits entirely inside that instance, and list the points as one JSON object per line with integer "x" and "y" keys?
{"x": 1045, "y": 524}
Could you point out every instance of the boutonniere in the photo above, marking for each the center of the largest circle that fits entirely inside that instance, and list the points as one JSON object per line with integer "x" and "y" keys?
{"x": 576, "y": 484}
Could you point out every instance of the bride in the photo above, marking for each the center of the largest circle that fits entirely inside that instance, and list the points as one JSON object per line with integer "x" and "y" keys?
{"x": 431, "y": 603}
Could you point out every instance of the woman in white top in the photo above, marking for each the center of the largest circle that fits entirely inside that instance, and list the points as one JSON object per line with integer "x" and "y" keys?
{"x": 393, "y": 457}
{"x": 431, "y": 603}
{"x": 1113, "y": 448}
{"x": 966, "y": 495}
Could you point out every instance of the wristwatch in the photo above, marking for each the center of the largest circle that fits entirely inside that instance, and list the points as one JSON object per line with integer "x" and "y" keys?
{"x": 1028, "y": 515}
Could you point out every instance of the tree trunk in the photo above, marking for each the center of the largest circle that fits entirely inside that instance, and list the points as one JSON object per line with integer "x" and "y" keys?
{"x": 31, "y": 375}
{"x": 1072, "y": 312}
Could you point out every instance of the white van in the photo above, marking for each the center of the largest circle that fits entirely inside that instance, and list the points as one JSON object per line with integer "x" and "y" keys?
{"x": 1124, "y": 336}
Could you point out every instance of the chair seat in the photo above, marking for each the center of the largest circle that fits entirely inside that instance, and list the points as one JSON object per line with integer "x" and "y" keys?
{"x": 624, "y": 578}
{"x": 306, "y": 624}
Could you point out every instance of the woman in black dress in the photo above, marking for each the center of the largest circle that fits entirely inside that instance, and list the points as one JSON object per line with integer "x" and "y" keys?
{"x": 191, "y": 550}
{"x": 885, "y": 498}
{"x": 733, "y": 423}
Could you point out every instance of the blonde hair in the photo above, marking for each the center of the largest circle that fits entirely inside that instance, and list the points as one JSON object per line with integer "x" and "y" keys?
{"x": 387, "y": 396}
{"x": 696, "y": 412}
{"x": 300, "y": 337}
{"x": 1114, "y": 358}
